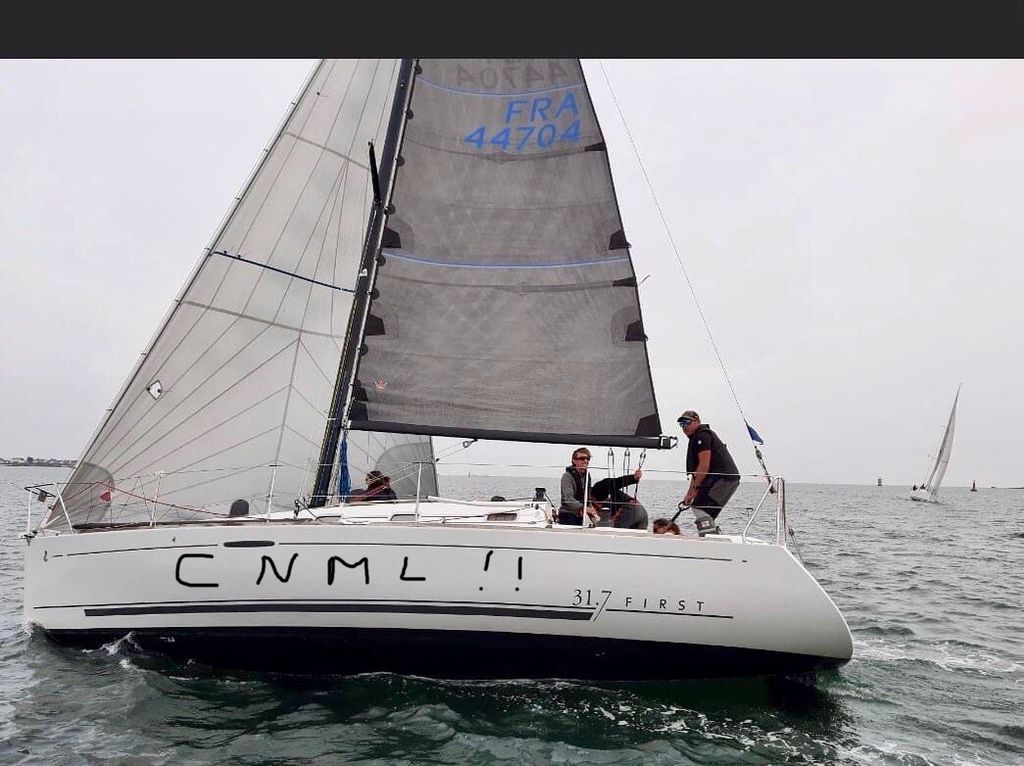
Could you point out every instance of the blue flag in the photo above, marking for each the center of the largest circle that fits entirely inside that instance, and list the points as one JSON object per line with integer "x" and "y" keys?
{"x": 344, "y": 480}
{"x": 754, "y": 437}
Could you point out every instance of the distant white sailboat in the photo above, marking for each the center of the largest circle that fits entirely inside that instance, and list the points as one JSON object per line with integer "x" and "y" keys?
{"x": 928, "y": 490}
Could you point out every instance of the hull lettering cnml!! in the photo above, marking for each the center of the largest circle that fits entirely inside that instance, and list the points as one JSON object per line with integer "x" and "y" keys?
{"x": 267, "y": 565}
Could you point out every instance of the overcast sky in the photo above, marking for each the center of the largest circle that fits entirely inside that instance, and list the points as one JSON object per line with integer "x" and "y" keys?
{"x": 852, "y": 230}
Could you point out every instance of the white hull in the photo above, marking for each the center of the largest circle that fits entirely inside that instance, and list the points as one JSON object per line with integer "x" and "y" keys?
{"x": 923, "y": 496}
{"x": 484, "y": 599}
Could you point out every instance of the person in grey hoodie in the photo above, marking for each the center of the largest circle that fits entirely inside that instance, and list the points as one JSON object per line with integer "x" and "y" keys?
{"x": 574, "y": 480}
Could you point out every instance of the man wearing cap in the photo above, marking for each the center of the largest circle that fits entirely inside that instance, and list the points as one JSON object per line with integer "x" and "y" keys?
{"x": 713, "y": 473}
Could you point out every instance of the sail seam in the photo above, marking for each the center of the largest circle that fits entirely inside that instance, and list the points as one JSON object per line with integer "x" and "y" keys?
{"x": 289, "y": 427}
{"x": 149, "y": 430}
{"x": 267, "y": 322}
{"x": 316, "y": 363}
{"x": 109, "y": 455}
{"x": 595, "y": 202}
{"x": 291, "y": 214}
{"x": 337, "y": 200}
{"x": 327, "y": 149}
{"x": 333, "y": 198}
{"x": 450, "y": 89}
{"x": 284, "y": 412}
{"x": 188, "y": 331}
{"x": 98, "y": 438}
{"x": 342, "y": 173}
{"x": 520, "y": 289}
{"x": 210, "y": 430}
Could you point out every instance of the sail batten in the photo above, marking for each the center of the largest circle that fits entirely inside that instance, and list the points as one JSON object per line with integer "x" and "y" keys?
{"x": 505, "y": 302}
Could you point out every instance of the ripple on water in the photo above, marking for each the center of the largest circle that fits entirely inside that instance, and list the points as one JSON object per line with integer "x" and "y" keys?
{"x": 951, "y": 656}
{"x": 885, "y": 630}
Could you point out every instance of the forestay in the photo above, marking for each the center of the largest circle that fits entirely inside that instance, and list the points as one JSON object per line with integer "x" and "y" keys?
{"x": 506, "y": 303}
{"x": 230, "y": 399}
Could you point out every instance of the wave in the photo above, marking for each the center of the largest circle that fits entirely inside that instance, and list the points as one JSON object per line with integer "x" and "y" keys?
{"x": 886, "y": 630}
{"x": 951, "y": 656}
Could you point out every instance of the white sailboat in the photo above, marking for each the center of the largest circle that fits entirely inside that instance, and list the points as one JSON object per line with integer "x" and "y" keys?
{"x": 928, "y": 490}
{"x": 341, "y": 316}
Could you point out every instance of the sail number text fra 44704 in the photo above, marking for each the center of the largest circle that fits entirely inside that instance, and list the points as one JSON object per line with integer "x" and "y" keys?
{"x": 531, "y": 122}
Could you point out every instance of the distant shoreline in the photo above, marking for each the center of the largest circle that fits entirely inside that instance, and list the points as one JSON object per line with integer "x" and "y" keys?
{"x": 43, "y": 462}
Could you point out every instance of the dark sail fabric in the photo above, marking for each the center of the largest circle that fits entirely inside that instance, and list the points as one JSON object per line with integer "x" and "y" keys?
{"x": 506, "y": 304}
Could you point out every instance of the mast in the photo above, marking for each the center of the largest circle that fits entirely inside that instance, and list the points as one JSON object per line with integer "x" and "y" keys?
{"x": 364, "y": 285}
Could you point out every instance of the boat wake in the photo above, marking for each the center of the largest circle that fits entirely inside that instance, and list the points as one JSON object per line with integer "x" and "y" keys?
{"x": 951, "y": 656}
{"x": 124, "y": 644}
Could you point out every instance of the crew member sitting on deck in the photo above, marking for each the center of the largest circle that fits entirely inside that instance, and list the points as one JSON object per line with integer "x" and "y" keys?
{"x": 627, "y": 513}
{"x": 571, "y": 511}
{"x": 378, "y": 487}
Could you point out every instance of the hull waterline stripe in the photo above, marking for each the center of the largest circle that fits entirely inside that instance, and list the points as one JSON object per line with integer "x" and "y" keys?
{"x": 318, "y": 601}
{"x": 489, "y": 611}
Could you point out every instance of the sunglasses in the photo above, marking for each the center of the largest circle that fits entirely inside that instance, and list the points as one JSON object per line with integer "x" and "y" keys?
{"x": 584, "y": 457}
{"x": 684, "y": 421}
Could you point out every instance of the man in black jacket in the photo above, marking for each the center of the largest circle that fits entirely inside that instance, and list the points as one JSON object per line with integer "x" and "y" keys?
{"x": 713, "y": 473}
{"x": 626, "y": 511}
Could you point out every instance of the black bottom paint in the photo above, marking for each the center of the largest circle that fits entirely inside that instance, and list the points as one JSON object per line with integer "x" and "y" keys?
{"x": 452, "y": 654}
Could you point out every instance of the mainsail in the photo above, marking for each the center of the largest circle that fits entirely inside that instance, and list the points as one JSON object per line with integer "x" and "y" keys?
{"x": 229, "y": 400}
{"x": 934, "y": 480}
{"x": 506, "y": 303}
